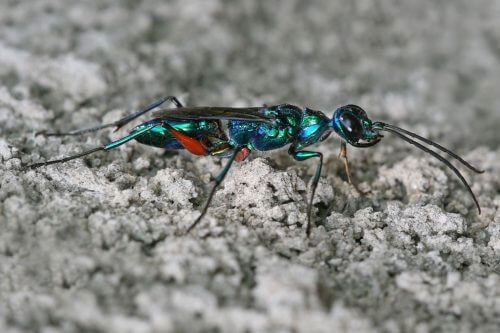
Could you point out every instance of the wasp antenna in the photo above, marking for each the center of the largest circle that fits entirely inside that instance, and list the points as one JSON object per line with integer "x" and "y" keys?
{"x": 437, "y": 156}
{"x": 434, "y": 144}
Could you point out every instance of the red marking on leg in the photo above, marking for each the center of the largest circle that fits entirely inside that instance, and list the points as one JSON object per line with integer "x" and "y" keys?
{"x": 192, "y": 145}
{"x": 242, "y": 154}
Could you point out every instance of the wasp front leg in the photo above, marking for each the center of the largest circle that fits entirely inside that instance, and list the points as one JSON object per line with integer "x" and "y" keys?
{"x": 343, "y": 155}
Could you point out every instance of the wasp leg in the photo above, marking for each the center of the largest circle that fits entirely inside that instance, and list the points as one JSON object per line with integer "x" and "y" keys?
{"x": 192, "y": 145}
{"x": 217, "y": 180}
{"x": 242, "y": 154}
{"x": 119, "y": 123}
{"x": 303, "y": 155}
{"x": 343, "y": 155}
{"x": 105, "y": 147}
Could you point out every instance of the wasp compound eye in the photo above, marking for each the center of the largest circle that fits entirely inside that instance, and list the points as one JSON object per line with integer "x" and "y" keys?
{"x": 351, "y": 126}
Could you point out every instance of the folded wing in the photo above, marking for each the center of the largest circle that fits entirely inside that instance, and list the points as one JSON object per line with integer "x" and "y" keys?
{"x": 223, "y": 113}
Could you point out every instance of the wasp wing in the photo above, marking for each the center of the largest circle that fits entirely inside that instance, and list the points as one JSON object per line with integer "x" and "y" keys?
{"x": 211, "y": 112}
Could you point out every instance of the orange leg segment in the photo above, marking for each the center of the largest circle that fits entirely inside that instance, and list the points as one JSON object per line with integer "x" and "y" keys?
{"x": 343, "y": 155}
{"x": 191, "y": 144}
{"x": 242, "y": 154}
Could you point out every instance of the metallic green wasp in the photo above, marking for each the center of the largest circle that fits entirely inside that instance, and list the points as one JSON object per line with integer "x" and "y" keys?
{"x": 199, "y": 130}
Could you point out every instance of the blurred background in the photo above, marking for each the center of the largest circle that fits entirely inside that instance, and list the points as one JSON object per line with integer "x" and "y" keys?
{"x": 427, "y": 62}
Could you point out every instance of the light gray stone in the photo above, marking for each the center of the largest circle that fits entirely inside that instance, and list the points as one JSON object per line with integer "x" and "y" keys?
{"x": 99, "y": 244}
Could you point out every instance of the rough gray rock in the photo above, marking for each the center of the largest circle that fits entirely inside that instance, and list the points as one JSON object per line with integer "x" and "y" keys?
{"x": 99, "y": 244}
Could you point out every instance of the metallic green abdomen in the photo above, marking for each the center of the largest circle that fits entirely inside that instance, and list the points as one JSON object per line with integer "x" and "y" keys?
{"x": 159, "y": 136}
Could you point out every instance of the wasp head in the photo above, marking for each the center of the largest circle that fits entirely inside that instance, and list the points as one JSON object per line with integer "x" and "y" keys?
{"x": 354, "y": 126}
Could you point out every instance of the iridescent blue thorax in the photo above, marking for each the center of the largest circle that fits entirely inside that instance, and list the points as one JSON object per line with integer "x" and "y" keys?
{"x": 291, "y": 125}
{"x": 313, "y": 127}
{"x": 264, "y": 136}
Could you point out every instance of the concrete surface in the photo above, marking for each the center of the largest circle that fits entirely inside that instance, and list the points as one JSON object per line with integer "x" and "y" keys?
{"x": 97, "y": 244}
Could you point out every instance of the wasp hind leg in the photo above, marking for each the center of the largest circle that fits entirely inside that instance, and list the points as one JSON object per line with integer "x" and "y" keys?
{"x": 200, "y": 147}
{"x": 105, "y": 147}
{"x": 217, "y": 181}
